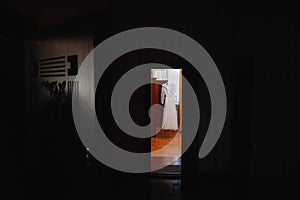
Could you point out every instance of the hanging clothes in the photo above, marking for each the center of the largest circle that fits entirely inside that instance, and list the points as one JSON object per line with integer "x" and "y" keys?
{"x": 168, "y": 98}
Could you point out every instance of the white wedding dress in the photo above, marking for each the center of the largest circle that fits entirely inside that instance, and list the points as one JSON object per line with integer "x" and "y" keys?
{"x": 168, "y": 98}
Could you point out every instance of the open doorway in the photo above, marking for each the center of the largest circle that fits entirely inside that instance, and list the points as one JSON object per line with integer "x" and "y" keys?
{"x": 166, "y": 90}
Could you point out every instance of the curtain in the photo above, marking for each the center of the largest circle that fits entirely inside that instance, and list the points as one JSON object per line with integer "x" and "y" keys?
{"x": 173, "y": 77}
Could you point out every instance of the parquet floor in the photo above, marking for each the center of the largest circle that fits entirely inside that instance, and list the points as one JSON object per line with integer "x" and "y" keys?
{"x": 171, "y": 154}
{"x": 162, "y": 139}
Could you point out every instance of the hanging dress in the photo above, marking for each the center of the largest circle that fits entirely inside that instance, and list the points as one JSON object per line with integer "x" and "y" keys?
{"x": 168, "y": 98}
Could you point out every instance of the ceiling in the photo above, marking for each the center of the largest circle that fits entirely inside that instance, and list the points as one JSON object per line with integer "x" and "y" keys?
{"x": 48, "y": 13}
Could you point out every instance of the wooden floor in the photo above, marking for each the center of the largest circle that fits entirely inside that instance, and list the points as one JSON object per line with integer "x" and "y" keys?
{"x": 162, "y": 139}
{"x": 169, "y": 155}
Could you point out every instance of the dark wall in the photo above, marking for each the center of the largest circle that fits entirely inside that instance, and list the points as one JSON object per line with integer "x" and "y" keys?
{"x": 12, "y": 101}
{"x": 275, "y": 161}
{"x": 13, "y": 132}
{"x": 57, "y": 162}
{"x": 255, "y": 47}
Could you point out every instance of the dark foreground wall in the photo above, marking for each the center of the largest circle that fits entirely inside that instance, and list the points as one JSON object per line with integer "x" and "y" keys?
{"x": 255, "y": 48}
